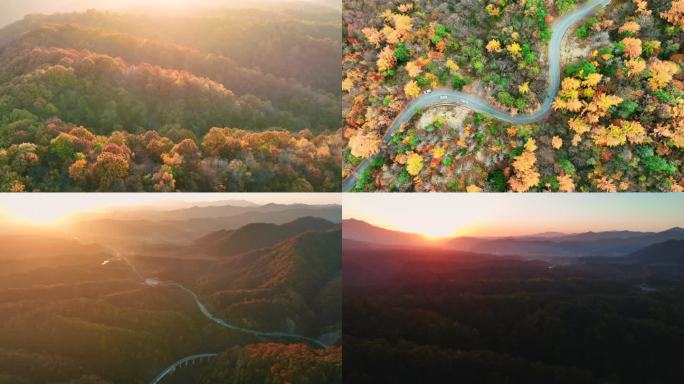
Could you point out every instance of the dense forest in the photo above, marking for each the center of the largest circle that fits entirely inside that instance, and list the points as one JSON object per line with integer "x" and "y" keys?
{"x": 104, "y": 101}
{"x": 73, "y": 312}
{"x": 275, "y": 363}
{"x": 450, "y": 316}
{"x": 615, "y": 125}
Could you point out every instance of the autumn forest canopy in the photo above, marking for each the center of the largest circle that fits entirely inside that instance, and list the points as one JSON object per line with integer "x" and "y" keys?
{"x": 240, "y": 99}
{"x": 615, "y": 125}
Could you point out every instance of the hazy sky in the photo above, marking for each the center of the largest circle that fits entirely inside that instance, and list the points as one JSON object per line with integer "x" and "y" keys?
{"x": 515, "y": 214}
{"x": 46, "y": 207}
{"x": 13, "y": 10}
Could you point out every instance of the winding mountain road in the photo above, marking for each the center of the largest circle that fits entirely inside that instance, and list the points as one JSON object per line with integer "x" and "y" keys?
{"x": 225, "y": 324}
{"x": 203, "y": 309}
{"x": 448, "y": 96}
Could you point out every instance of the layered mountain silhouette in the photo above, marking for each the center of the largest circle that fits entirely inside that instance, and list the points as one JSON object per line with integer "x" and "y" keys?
{"x": 258, "y": 235}
{"x": 179, "y": 225}
{"x": 608, "y": 243}
{"x": 668, "y": 252}
{"x": 565, "y": 308}
{"x": 74, "y": 310}
{"x": 362, "y": 231}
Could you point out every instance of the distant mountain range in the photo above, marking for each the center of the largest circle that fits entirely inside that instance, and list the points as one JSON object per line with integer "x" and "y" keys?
{"x": 188, "y": 224}
{"x": 258, "y": 235}
{"x": 362, "y": 231}
{"x": 264, "y": 276}
{"x": 668, "y": 252}
{"x": 374, "y": 255}
{"x": 587, "y": 244}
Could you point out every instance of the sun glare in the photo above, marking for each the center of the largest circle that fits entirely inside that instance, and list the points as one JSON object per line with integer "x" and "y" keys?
{"x": 433, "y": 230}
{"x": 172, "y": 3}
{"x": 437, "y": 233}
{"x": 39, "y": 214}
{"x": 46, "y": 208}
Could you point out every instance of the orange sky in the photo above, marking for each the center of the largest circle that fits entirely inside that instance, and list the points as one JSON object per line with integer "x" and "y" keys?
{"x": 13, "y": 10}
{"x": 449, "y": 214}
{"x": 52, "y": 207}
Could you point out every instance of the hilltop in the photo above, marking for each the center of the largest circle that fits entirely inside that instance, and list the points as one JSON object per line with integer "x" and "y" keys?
{"x": 121, "y": 101}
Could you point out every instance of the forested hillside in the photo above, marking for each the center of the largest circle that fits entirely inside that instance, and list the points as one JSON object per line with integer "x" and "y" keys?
{"x": 241, "y": 99}
{"x": 291, "y": 285}
{"x": 77, "y": 312}
{"x": 448, "y": 316}
{"x": 275, "y": 363}
{"x": 614, "y": 125}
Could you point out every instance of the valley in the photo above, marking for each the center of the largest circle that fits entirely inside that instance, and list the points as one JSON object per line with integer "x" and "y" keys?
{"x": 123, "y": 310}
{"x": 584, "y": 290}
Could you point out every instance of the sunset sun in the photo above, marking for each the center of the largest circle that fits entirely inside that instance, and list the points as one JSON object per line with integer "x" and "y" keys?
{"x": 438, "y": 231}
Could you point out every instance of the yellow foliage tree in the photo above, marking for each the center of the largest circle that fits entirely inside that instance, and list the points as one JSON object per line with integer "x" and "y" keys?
{"x": 515, "y": 50}
{"x": 347, "y": 84}
{"x": 493, "y": 10}
{"x": 493, "y": 45}
{"x": 391, "y": 35}
{"x": 675, "y": 15}
{"x": 364, "y": 144}
{"x": 642, "y": 8}
{"x": 569, "y": 84}
{"x": 592, "y": 80}
{"x": 413, "y": 68}
{"x": 386, "y": 59}
{"x": 632, "y": 46}
{"x": 403, "y": 25}
{"x": 438, "y": 152}
{"x": 411, "y": 89}
{"x": 526, "y": 175}
{"x": 620, "y": 133}
{"x": 630, "y": 26}
{"x": 373, "y": 36}
{"x": 559, "y": 104}
{"x": 604, "y": 102}
{"x": 414, "y": 164}
{"x": 606, "y": 184}
{"x": 565, "y": 183}
{"x": 635, "y": 66}
{"x": 578, "y": 125}
{"x": 661, "y": 73}
{"x": 574, "y": 105}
